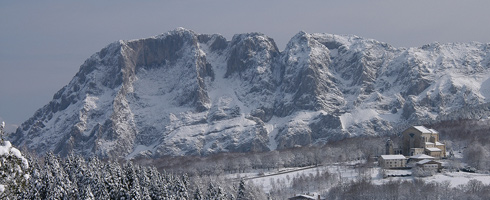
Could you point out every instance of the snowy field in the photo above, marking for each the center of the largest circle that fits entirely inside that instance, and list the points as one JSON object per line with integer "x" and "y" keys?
{"x": 347, "y": 172}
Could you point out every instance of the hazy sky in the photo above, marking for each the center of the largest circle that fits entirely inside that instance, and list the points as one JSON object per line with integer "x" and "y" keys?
{"x": 43, "y": 43}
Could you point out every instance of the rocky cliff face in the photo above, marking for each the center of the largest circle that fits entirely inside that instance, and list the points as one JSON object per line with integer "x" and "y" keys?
{"x": 185, "y": 93}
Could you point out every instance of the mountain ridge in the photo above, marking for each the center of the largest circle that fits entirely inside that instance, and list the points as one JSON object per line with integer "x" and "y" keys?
{"x": 183, "y": 93}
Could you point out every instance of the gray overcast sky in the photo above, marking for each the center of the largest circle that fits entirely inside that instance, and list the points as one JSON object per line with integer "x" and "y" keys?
{"x": 43, "y": 43}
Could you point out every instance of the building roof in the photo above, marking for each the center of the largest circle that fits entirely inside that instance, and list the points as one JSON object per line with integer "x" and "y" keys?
{"x": 428, "y": 143}
{"x": 438, "y": 143}
{"x": 433, "y": 149}
{"x": 433, "y": 131}
{"x": 392, "y": 157}
{"x": 425, "y": 161}
{"x": 422, "y": 156}
{"x": 422, "y": 129}
{"x": 302, "y": 196}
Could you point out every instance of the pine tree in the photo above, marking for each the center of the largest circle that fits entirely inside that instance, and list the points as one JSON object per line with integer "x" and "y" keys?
{"x": 211, "y": 192}
{"x": 144, "y": 182}
{"x": 58, "y": 184}
{"x": 215, "y": 193}
{"x": 87, "y": 194}
{"x": 241, "y": 195}
{"x": 98, "y": 186}
{"x": 13, "y": 170}
{"x": 156, "y": 183}
{"x": 112, "y": 179}
{"x": 132, "y": 182}
{"x": 180, "y": 188}
{"x": 167, "y": 186}
{"x": 220, "y": 193}
{"x": 198, "y": 194}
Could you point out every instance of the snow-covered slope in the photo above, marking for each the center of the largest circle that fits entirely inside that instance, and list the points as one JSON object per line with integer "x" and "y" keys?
{"x": 186, "y": 93}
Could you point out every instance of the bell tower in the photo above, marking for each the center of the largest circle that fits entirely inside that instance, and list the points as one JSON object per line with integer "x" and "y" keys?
{"x": 389, "y": 147}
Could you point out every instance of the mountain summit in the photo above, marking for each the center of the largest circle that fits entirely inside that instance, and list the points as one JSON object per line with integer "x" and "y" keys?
{"x": 183, "y": 93}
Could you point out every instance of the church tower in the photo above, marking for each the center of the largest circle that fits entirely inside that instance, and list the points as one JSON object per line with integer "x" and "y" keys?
{"x": 389, "y": 147}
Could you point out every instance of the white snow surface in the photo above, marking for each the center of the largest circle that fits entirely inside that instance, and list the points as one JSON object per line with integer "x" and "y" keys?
{"x": 390, "y": 157}
{"x": 345, "y": 173}
{"x": 6, "y": 150}
{"x": 357, "y": 116}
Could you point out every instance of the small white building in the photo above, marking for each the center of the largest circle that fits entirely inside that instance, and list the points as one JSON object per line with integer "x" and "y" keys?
{"x": 392, "y": 161}
{"x": 420, "y": 157}
{"x": 429, "y": 164}
{"x": 434, "y": 152}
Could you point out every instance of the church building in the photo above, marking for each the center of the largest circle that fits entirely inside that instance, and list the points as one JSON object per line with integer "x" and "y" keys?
{"x": 417, "y": 143}
{"x": 421, "y": 140}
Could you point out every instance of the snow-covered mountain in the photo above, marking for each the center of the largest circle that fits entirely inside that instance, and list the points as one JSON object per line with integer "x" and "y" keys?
{"x": 183, "y": 93}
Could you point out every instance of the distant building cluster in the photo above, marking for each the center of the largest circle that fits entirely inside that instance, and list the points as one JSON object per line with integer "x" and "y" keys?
{"x": 419, "y": 146}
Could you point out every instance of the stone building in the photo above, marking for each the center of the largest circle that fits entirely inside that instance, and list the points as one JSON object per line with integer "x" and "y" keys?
{"x": 417, "y": 143}
{"x": 421, "y": 140}
{"x": 392, "y": 161}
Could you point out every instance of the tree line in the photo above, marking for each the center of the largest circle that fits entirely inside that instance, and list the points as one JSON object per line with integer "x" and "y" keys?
{"x": 416, "y": 189}
{"x": 350, "y": 149}
{"x": 469, "y": 137}
{"x": 75, "y": 177}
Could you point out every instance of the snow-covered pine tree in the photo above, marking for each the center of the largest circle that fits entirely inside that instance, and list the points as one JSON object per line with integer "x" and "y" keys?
{"x": 198, "y": 194}
{"x": 241, "y": 194}
{"x": 98, "y": 186}
{"x": 132, "y": 181}
{"x": 168, "y": 185}
{"x": 2, "y": 126}
{"x": 75, "y": 168}
{"x": 58, "y": 185}
{"x": 211, "y": 192}
{"x": 145, "y": 183}
{"x": 13, "y": 169}
{"x": 157, "y": 183}
{"x": 34, "y": 186}
{"x": 87, "y": 194}
{"x": 112, "y": 179}
{"x": 180, "y": 187}
{"x": 215, "y": 193}
{"x": 221, "y": 194}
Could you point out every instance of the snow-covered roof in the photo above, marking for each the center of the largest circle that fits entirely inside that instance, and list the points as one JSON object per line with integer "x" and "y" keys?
{"x": 426, "y": 161}
{"x": 433, "y": 149}
{"x": 303, "y": 196}
{"x": 433, "y": 131}
{"x": 392, "y": 157}
{"x": 428, "y": 143}
{"x": 422, "y": 156}
{"x": 422, "y": 129}
{"x": 438, "y": 143}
